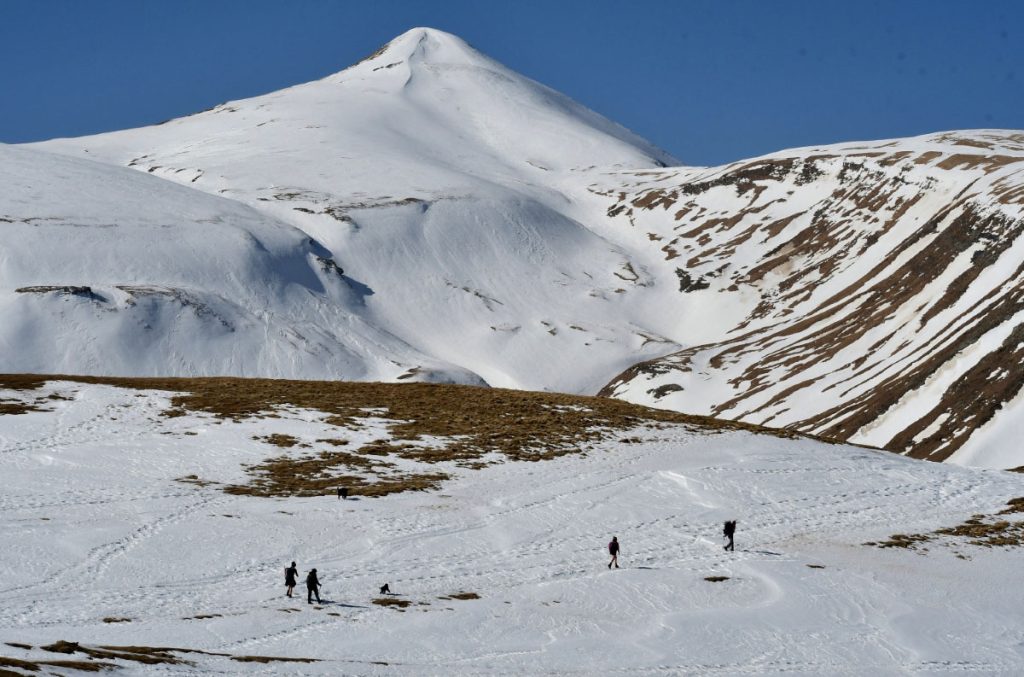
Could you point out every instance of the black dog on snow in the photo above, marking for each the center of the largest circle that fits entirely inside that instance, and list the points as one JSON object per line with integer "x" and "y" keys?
{"x": 385, "y": 590}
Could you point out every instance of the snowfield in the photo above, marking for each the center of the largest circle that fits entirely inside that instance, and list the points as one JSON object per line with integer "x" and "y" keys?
{"x": 96, "y": 525}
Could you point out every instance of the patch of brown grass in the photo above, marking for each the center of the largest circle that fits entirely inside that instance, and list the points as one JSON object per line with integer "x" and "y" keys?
{"x": 1013, "y": 505}
{"x": 903, "y": 541}
{"x": 8, "y": 406}
{"x": 32, "y": 666}
{"x": 279, "y": 440}
{"x": 193, "y": 479}
{"x": 995, "y": 534}
{"x": 61, "y": 646}
{"x": 982, "y": 530}
{"x": 24, "y": 381}
{"x": 392, "y": 601}
{"x": 471, "y": 422}
{"x": 116, "y": 619}
{"x": 716, "y": 579}
{"x": 147, "y": 655}
{"x": 157, "y": 650}
{"x": 462, "y": 595}
{"x": 36, "y": 666}
{"x": 138, "y": 654}
{"x": 273, "y": 659}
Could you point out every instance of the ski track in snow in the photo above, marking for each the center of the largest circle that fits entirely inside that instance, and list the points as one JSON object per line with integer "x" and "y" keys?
{"x": 529, "y": 538}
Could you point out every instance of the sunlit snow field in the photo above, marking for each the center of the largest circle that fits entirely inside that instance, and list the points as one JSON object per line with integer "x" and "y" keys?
{"x": 94, "y": 525}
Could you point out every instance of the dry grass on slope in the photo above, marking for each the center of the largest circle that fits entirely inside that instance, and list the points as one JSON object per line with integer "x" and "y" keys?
{"x": 102, "y": 658}
{"x": 468, "y": 426}
{"x": 990, "y": 531}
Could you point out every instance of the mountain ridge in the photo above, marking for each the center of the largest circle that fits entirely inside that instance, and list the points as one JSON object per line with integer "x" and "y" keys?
{"x": 489, "y": 230}
{"x": 904, "y": 249}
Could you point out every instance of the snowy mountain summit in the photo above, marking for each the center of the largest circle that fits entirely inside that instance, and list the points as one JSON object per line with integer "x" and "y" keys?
{"x": 428, "y": 214}
{"x": 446, "y": 187}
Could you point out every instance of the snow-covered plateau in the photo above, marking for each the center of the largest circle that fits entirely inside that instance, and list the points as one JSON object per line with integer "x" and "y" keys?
{"x": 119, "y": 532}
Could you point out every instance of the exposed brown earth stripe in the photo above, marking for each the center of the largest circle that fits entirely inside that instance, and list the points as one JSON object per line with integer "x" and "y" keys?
{"x": 101, "y": 657}
{"x": 968, "y": 403}
{"x": 903, "y": 285}
{"x": 793, "y": 346}
{"x": 858, "y": 412}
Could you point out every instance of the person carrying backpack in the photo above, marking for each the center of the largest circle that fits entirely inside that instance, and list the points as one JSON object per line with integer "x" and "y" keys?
{"x": 312, "y": 587}
{"x": 729, "y": 530}
{"x": 613, "y": 550}
{"x": 291, "y": 577}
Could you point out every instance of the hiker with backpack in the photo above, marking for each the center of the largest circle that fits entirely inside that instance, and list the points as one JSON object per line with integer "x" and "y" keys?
{"x": 291, "y": 577}
{"x": 729, "y": 530}
{"x": 312, "y": 587}
{"x": 613, "y": 550}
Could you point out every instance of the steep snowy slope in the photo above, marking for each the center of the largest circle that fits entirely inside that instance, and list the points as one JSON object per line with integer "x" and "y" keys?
{"x": 107, "y": 271}
{"x": 116, "y": 533}
{"x": 447, "y": 186}
{"x": 875, "y": 291}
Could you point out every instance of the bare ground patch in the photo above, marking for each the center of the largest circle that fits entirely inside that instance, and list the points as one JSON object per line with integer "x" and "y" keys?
{"x": 427, "y": 424}
{"x": 11, "y": 406}
{"x": 989, "y": 531}
{"x": 273, "y": 659}
{"x": 400, "y": 604}
{"x": 103, "y": 657}
{"x": 461, "y": 595}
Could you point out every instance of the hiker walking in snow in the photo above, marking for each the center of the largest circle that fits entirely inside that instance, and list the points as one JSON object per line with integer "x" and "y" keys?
{"x": 312, "y": 587}
{"x": 613, "y": 550}
{"x": 291, "y": 577}
{"x": 729, "y": 530}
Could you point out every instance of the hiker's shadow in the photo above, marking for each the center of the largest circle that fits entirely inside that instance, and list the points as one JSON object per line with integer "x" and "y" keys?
{"x": 331, "y": 602}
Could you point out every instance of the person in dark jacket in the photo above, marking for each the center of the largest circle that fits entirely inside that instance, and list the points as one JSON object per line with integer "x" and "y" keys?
{"x": 291, "y": 577}
{"x": 312, "y": 587}
{"x": 613, "y": 550}
{"x": 729, "y": 530}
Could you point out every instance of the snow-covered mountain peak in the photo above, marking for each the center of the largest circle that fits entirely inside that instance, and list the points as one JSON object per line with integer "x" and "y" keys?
{"x": 430, "y": 46}
{"x": 452, "y": 193}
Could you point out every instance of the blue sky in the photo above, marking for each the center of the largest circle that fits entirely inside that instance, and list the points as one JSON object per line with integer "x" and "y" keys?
{"x": 710, "y": 82}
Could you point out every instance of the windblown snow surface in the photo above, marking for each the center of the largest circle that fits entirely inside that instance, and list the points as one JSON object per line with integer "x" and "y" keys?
{"x": 95, "y": 526}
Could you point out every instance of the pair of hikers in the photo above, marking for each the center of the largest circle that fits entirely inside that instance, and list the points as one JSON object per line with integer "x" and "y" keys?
{"x": 613, "y": 547}
{"x": 291, "y": 577}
